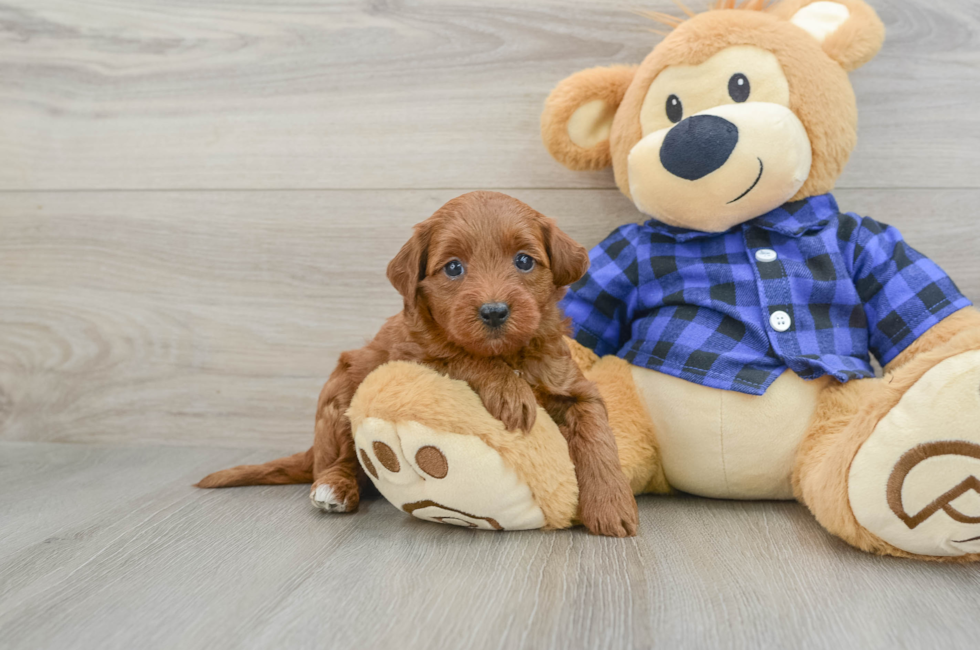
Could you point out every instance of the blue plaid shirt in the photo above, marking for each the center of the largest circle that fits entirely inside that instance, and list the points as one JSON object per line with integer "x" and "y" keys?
{"x": 699, "y": 305}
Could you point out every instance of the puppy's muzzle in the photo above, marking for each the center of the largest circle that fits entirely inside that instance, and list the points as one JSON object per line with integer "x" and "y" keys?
{"x": 494, "y": 314}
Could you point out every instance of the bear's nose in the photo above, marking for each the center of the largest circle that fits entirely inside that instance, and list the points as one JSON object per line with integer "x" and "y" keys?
{"x": 697, "y": 146}
{"x": 494, "y": 313}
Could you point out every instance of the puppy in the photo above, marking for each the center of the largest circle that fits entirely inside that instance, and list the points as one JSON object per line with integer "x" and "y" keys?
{"x": 480, "y": 280}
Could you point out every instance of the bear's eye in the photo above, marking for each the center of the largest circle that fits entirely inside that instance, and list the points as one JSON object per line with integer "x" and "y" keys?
{"x": 453, "y": 269}
{"x": 675, "y": 110}
{"x": 738, "y": 87}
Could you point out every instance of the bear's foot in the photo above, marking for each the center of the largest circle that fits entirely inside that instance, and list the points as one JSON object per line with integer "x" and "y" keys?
{"x": 915, "y": 482}
{"x": 445, "y": 477}
{"x": 432, "y": 449}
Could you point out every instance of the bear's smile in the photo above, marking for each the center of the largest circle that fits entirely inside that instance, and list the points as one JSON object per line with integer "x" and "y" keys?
{"x": 752, "y": 187}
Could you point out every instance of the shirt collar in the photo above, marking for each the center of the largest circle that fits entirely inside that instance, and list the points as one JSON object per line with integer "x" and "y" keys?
{"x": 791, "y": 219}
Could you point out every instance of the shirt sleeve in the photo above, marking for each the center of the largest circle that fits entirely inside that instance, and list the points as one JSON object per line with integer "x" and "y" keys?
{"x": 903, "y": 291}
{"x": 601, "y": 304}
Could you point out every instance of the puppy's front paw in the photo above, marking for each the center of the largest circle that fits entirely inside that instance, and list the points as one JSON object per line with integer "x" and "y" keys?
{"x": 609, "y": 510}
{"x": 512, "y": 403}
{"x": 520, "y": 412}
{"x": 335, "y": 496}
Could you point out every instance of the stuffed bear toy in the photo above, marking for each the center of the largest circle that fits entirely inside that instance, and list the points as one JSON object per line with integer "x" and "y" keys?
{"x": 730, "y": 329}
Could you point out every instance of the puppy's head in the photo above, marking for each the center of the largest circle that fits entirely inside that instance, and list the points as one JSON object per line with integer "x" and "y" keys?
{"x": 486, "y": 270}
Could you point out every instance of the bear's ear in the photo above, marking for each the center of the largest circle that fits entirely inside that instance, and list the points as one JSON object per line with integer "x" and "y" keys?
{"x": 849, "y": 31}
{"x": 578, "y": 116}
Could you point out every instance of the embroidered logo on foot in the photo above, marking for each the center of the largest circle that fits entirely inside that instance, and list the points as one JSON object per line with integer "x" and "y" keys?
{"x": 452, "y": 516}
{"x": 921, "y": 453}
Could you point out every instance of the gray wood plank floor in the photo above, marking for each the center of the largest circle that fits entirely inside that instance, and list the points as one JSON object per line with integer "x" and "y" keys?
{"x": 109, "y": 547}
{"x": 197, "y": 203}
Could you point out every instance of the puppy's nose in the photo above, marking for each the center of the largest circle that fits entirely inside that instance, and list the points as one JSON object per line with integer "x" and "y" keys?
{"x": 698, "y": 146}
{"x": 494, "y": 313}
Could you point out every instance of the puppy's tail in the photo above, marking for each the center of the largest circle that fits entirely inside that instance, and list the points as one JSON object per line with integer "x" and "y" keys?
{"x": 297, "y": 468}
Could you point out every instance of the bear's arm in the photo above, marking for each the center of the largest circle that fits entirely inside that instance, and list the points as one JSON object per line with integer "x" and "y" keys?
{"x": 905, "y": 294}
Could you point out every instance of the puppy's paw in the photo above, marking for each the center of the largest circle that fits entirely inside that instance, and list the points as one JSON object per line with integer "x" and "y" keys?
{"x": 335, "y": 496}
{"x": 513, "y": 403}
{"x": 609, "y": 510}
{"x": 519, "y": 412}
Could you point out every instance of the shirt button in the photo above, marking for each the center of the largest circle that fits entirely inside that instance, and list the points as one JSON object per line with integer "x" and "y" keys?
{"x": 765, "y": 255}
{"x": 780, "y": 321}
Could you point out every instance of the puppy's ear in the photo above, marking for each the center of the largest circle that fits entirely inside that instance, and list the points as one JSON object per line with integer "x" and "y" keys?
{"x": 407, "y": 268}
{"x": 569, "y": 260}
{"x": 578, "y": 116}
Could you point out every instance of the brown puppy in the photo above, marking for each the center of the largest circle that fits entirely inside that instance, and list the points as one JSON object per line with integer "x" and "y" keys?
{"x": 480, "y": 279}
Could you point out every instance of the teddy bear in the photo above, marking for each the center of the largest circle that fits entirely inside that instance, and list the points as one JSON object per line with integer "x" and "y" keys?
{"x": 730, "y": 328}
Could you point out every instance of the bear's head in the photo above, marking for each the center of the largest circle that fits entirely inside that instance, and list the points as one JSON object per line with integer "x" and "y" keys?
{"x": 737, "y": 111}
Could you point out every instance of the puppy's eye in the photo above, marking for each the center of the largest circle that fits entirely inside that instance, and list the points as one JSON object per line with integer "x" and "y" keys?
{"x": 675, "y": 110}
{"x": 523, "y": 262}
{"x": 738, "y": 87}
{"x": 454, "y": 269}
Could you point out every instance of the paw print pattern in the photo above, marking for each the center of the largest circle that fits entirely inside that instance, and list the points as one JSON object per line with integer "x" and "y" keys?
{"x": 447, "y": 478}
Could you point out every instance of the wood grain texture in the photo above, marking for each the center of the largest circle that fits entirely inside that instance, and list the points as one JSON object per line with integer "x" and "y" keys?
{"x": 246, "y": 94}
{"x": 189, "y": 329}
{"x": 136, "y": 558}
{"x": 214, "y": 317}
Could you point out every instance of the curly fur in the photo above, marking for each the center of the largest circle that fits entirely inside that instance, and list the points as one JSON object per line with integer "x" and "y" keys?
{"x": 513, "y": 368}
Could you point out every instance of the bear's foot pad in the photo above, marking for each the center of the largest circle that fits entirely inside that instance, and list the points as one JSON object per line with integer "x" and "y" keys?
{"x": 915, "y": 483}
{"x": 445, "y": 478}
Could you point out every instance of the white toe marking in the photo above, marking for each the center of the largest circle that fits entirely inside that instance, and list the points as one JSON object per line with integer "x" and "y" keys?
{"x": 324, "y": 499}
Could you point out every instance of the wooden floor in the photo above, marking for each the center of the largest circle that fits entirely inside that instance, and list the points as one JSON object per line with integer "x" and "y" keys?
{"x": 198, "y": 199}
{"x": 109, "y": 547}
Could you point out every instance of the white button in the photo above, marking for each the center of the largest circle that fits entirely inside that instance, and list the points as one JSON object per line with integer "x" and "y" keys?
{"x": 765, "y": 255}
{"x": 780, "y": 321}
